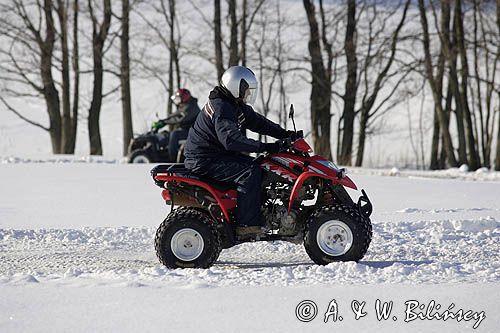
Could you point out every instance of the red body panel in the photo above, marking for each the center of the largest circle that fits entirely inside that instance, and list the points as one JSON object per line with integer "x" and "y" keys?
{"x": 302, "y": 146}
{"x": 287, "y": 165}
{"x": 314, "y": 169}
{"x": 226, "y": 200}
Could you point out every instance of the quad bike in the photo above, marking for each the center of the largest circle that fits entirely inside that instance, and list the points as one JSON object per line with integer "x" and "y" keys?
{"x": 152, "y": 146}
{"x": 304, "y": 200}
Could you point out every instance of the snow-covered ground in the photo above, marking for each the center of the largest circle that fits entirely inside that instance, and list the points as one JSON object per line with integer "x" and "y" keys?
{"x": 76, "y": 244}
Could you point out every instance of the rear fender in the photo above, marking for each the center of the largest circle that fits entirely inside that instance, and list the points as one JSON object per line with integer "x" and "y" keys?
{"x": 226, "y": 200}
{"x": 345, "y": 181}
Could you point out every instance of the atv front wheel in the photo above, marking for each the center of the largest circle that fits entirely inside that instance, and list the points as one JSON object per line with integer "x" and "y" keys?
{"x": 139, "y": 156}
{"x": 337, "y": 233}
{"x": 187, "y": 239}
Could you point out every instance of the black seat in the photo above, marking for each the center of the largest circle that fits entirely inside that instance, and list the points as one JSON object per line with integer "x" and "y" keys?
{"x": 180, "y": 170}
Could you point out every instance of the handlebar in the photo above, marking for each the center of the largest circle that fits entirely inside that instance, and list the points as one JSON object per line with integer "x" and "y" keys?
{"x": 172, "y": 119}
{"x": 285, "y": 145}
{"x": 288, "y": 142}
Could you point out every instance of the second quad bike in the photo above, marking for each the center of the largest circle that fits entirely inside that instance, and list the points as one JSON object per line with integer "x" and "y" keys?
{"x": 152, "y": 146}
{"x": 304, "y": 200}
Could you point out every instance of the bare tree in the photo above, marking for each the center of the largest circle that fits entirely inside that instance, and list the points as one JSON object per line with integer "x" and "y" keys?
{"x": 173, "y": 48}
{"x": 271, "y": 60}
{"x": 125, "y": 77}
{"x": 233, "y": 25}
{"x": 30, "y": 30}
{"x": 448, "y": 146}
{"x": 169, "y": 39}
{"x": 367, "y": 109}
{"x": 235, "y": 49}
{"x": 219, "y": 61}
{"x": 76, "y": 72}
{"x": 473, "y": 157}
{"x": 497, "y": 159}
{"x": 99, "y": 34}
{"x": 486, "y": 59}
{"x": 266, "y": 92}
{"x": 68, "y": 136}
{"x": 320, "y": 87}
{"x": 349, "y": 96}
{"x": 436, "y": 162}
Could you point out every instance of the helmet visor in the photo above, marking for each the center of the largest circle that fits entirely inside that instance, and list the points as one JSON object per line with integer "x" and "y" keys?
{"x": 250, "y": 96}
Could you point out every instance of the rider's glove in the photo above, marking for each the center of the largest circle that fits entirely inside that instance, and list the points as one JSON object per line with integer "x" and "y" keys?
{"x": 292, "y": 135}
{"x": 271, "y": 148}
{"x": 158, "y": 124}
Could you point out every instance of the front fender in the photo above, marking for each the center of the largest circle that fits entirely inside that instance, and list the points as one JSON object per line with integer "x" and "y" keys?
{"x": 345, "y": 181}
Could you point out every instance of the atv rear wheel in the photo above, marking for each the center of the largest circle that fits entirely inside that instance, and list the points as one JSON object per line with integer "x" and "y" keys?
{"x": 187, "y": 238}
{"x": 337, "y": 233}
{"x": 140, "y": 156}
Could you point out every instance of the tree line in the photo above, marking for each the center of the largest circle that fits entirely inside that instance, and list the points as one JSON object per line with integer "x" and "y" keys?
{"x": 364, "y": 59}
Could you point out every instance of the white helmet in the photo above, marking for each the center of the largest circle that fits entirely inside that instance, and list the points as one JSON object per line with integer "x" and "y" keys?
{"x": 241, "y": 83}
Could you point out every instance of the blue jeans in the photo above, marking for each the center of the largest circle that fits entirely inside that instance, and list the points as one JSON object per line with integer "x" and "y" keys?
{"x": 173, "y": 144}
{"x": 244, "y": 172}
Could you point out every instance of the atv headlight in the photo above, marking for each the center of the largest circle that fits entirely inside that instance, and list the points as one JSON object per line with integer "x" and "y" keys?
{"x": 329, "y": 164}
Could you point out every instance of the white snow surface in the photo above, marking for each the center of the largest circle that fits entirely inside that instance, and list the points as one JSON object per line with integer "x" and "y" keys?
{"x": 77, "y": 254}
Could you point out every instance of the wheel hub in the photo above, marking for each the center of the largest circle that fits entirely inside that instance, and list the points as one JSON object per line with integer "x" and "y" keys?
{"x": 334, "y": 238}
{"x": 187, "y": 244}
{"x": 140, "y": 159}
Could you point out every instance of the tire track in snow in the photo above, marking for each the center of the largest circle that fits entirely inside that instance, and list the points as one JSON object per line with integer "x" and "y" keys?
{"x": 442, "y": 251}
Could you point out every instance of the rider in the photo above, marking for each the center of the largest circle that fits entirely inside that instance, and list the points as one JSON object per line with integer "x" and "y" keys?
{"x": 184, "y": 117}
{"x": 216, "y": 143}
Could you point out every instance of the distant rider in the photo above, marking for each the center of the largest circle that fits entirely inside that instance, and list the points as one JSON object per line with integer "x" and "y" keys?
{"x": 216, "y": 143}
{"x": 184, "y": 118}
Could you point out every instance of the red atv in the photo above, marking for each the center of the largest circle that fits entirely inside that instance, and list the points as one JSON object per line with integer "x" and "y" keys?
{"x": 303, "y": 200}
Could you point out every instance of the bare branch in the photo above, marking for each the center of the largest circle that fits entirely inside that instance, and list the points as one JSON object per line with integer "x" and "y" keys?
{"x": 17, "y": 113}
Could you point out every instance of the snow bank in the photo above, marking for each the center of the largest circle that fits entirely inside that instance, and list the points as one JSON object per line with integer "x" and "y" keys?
{"x": 462, "y": 173}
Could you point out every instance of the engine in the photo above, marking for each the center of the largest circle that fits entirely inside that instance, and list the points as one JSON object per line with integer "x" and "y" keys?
{"x": 275, "y": 209}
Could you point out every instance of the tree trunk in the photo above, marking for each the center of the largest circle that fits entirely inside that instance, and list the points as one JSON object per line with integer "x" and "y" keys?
{"x": 50, "y": 92}
{"x": 459, "y": 113}
{"x": 174, "y": 43}
{"x": 449, "y": 47}
{"x": 490, "y": 90}
{"x": 171, "y": 60}
{"x": 321, "y": 88}
{"x": 219, "y": 61}
{"x": 76, "y": 76}
{"x": 125, "y": 78}
{"x": 98, "y": 39}
{"x": 437, "y": 99}
{"x": 434, "y": 164}
{"x": 67, "y": 134}
{"x": 348, "y": 113}
{"x": 95, "y": 109}
{"x": 473, "y": 157}
{"x": 497, "y": 159}
{"x": 362, "y": 138}
{"x": 279, "y": 57}
{"x": 233, "y": 43}
{"x": 244, "y": 34}
{"x": 483, "y": 127}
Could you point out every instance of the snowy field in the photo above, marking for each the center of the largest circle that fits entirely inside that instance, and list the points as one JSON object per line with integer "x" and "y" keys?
{"x": 76, "y": 254}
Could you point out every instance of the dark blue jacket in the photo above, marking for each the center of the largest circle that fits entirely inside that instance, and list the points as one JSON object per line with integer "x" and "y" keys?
{"x": 219, "y": 130}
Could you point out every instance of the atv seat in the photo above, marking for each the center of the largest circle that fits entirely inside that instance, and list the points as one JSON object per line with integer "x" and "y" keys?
{"x": 180, "y": 170}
